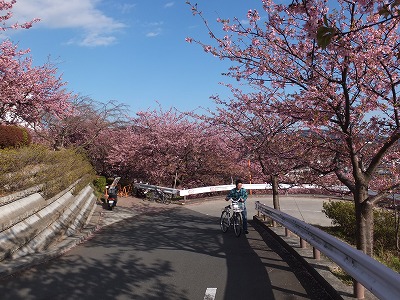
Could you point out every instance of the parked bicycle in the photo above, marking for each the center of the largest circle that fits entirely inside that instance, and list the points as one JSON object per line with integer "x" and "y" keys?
{"x": 231, "y": 216}
{"x": 159, "y": 196}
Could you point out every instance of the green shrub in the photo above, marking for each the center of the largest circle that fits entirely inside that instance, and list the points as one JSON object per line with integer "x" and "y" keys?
{"x": 395, "y": 263}
{"x": 388, "y": 258}
{"x": 384, "y": 229}
{"x": 14, "y": 136}
{"x": 343, "y": 215}
{"x": 100, "y": 183}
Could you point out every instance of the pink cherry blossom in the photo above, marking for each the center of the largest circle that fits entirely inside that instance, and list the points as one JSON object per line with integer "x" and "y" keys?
{"x": 345, "y": 94}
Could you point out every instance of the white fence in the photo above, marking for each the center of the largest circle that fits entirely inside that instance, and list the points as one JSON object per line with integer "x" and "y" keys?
{"x": 207, "y": 189}
{"x": 376, "y": 277}
{"x": 258, "y": 186}
{"x": 248, "y": 186}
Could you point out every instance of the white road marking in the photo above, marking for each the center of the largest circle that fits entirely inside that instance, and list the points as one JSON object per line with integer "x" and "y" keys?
{"x": 210, "y": 293}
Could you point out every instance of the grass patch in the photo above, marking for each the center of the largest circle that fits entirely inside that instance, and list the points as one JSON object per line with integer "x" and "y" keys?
{"x": 389, "y": 258}
{"x": 22, "y": 168}
{"x": 343, "y": 220}
{"x": 342, "y": 275}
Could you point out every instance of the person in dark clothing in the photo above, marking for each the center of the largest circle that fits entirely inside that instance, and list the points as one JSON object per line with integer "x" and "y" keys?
{"x": 238, "y": 192}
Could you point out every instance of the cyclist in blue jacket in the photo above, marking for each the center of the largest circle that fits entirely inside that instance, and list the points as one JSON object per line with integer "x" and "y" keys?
{"x": 236, "y": 193}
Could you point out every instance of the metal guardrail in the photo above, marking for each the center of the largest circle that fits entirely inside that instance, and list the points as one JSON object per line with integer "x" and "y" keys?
{"x": 206, "y": 189}
{"x": 155, "y": 187}
{"x": 249, "y": 186}
{"x": 227, "y": 187}
{"x": 200, "y": 190}
{"x": 380, "y": 280}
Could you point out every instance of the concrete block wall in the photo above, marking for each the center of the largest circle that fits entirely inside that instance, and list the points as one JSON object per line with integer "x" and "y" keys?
{"x": 29, "y": 223}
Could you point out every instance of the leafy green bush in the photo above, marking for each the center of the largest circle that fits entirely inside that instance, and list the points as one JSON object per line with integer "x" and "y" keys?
{"x": 14, "y": 136}
{"x": 21, "y": 168}
{"x": 343, "y": 215}
{"x": 388, "y": 258}
{"x": 100, "y": 183}
{"x": 384, "y": 229}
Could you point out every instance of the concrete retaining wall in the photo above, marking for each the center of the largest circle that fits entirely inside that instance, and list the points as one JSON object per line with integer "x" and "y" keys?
{"x": 29, "y": 223}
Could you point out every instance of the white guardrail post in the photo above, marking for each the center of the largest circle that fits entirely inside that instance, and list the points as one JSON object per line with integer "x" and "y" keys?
{"x": 382, "y": 281}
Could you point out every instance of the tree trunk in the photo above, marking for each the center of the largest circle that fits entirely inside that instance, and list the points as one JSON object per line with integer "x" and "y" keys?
{"x": 275, "y": 193}
{"x": 397, "y": 226}
{"x": 175, "y": 179}
{"x": 364, "y": 220}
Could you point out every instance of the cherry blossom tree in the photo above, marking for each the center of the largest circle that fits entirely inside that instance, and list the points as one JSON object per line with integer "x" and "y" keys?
{"x": 83, "y": 125}
{"x": 5, "y": 17}
{"x": 172, "y": 149}
{"x": 345, "y": 93}
{"x": 27, "y": 93}
{"x": 329, "y": 30}
{"x": 270, "y": 140}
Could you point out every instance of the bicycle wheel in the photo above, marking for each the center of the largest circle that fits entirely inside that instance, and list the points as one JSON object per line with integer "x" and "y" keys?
{"x": 150, "y": 196}
{"x": 159, "y": 197}
{"x": 167, "y": 198}
{"x": 224, "y": 221}
{"x": 237, "y": 224}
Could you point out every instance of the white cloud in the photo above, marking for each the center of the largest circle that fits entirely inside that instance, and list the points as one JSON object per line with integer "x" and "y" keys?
{"x": 98, "y": 28}
{"x": 169, "y": 4}
{"x": 93, "y": 40}
{"x": 154, "y": 29}
{"x": 126, "y": 8}
{"x": 153, "y": 33}
{"x": 154, "y": 24}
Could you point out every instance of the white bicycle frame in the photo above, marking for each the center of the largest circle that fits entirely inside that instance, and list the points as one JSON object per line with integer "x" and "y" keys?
{"x": 235, "y": 205}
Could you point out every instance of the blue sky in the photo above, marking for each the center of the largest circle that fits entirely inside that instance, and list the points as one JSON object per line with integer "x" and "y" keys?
{"x": 132, "y": 51}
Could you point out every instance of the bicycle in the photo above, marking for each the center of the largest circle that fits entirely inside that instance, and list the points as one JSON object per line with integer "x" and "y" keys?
{"x": 231, "y": 216}
{"x": 159, "y": 196}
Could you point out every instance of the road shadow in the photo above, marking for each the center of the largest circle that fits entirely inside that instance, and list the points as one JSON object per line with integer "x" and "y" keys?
{"x": 118, "y": 262}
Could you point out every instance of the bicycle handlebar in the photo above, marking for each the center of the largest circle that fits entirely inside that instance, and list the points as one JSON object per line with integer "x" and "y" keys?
{"x": 236, "y": 201}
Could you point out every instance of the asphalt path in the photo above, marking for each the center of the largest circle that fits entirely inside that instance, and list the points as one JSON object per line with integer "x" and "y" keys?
{"x": 307, "y": 208}
{"x": 170, "y": 252}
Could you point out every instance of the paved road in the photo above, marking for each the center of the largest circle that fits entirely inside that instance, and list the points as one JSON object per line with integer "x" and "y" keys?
{"x": 169, "y": 253}
{"x": 305, "y": 208}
